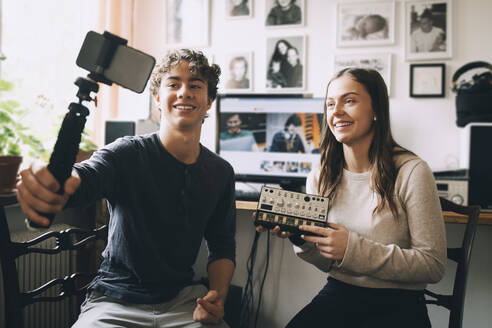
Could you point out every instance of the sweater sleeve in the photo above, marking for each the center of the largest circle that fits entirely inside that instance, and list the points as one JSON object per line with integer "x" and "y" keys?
{"x": 424, "y": 260}
{"x": 308, "y": 251}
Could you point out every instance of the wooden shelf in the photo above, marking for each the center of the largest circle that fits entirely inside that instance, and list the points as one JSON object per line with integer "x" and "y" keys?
{"x": 485, "y": 218}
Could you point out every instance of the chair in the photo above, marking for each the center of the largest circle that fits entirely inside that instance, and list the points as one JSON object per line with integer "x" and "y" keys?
{"x": 455, "y": 302}
{"x": 73, "y": 284}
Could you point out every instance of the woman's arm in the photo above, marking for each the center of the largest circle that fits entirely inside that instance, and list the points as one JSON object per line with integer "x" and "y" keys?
{"x": 424, "y": 260}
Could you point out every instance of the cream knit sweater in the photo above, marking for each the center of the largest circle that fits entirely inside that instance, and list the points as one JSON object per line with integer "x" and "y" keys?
{"x": 386, "y": 252}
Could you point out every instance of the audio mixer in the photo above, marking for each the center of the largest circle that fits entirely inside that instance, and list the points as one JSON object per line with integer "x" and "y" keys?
{"x": 290, "y": 209}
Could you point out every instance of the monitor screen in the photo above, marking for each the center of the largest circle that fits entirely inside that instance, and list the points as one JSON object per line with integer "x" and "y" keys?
{"x": 118, "y": 129}
{"x": 270, "y": 138}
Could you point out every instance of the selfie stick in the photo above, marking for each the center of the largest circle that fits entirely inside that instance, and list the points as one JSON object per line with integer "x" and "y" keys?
{"x": 67, "y": 144}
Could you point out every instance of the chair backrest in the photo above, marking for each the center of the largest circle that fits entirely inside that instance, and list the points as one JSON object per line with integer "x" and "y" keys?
{"x": 73, "y": 284}
{"x": 455, "y": 302}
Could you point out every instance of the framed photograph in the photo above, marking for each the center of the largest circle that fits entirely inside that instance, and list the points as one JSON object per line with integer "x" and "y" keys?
{"x": 366, "y": 24}
{"x": 187, "y": 23}
{"x": 239, "y": 9}
{"x": 380, "y": 62}
{"x": 286, "y": 63}
{"x": 428, "y": 30}
{"x": 239, "y": 72}
{"x": 284, "y": 13}
{"x": 427, "y": 80}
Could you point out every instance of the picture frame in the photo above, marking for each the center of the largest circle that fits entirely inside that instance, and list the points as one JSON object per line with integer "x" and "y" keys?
{"x": 286, "y": 63}
{"x": 428, "y": 29}
{"x": 277, "y": 15}
{"x": 239, "y": 9}
{"x": 238, "y": 69}
{"x": 380, "y": 62}
{"x": 365, "y": 24}
{"x": 187, "y": 23}
{"x": 427, "y": 80}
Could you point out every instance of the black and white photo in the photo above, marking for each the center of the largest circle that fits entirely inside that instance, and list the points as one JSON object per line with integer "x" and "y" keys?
{"x": 380, "y": 62}
{"x": 286, "y": 62}
{"x": 428, "y": 29}
{"x": 187, "y": 23}
{"x": 283, "y": 13}
{"x": 239, "y": 72}
{"x": 365, "y": 24}
{"x": 239, "y": 8}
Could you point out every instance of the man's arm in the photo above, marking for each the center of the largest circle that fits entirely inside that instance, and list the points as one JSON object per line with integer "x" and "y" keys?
{"x": 220, "y": 275}
{"x": 210, "y": 308}
{"x": 221, "y": 244}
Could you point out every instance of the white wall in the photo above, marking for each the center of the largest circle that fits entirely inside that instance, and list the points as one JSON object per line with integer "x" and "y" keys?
{"x": 425, "y": 126}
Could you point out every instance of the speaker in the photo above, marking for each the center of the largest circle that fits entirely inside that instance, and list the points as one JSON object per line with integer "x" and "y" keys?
{"x": 476, "y": 156}
{"x": 118, "y": 129}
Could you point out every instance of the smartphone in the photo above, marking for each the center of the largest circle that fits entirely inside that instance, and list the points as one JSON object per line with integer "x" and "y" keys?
{"x": 129, "y": 68}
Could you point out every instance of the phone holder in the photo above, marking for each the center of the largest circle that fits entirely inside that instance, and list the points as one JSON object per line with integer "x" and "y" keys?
{"x": 67, "y": 144}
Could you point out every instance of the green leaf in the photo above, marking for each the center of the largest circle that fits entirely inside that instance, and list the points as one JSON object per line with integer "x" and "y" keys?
{"x": 6, "y": 85}
{"x": 9, "y": 105}
{"x": 14, "y": 150}
{"x": 5, "y": 118}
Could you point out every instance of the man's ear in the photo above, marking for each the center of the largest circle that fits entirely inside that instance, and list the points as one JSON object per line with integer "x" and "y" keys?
{"x": 210, "y": 100}
{"x": 157, "y": 101}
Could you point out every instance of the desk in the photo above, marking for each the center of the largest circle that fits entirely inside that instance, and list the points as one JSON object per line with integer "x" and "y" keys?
{"x": 484, "y": 218}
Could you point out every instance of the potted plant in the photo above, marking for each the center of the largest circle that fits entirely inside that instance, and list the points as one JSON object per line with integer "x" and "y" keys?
{"x": 15, "y": 139}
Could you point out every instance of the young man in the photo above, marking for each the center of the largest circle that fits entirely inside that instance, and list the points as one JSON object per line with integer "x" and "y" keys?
{"x": 165, "y": 193}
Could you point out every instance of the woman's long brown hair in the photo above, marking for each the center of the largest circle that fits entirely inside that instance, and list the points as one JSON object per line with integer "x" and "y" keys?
{"x": 382, "y": 149}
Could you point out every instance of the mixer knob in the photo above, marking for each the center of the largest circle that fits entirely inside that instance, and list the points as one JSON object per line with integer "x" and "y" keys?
{"x": 457, "y": 199}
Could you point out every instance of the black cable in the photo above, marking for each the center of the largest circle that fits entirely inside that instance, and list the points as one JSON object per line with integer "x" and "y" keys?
{"x": 263, "y": 280}
{"x": 248, "y": 289}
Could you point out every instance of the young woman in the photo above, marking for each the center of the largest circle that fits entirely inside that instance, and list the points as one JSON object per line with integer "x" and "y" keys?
{"x": 385, "y": 239}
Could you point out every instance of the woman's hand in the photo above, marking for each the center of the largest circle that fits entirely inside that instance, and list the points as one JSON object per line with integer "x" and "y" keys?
{"x": 332, "y": 241}
{"x": 275, "y": 231}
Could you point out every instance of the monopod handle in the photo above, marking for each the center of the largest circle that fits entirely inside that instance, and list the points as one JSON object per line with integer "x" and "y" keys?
{"x": 66, "y": 148}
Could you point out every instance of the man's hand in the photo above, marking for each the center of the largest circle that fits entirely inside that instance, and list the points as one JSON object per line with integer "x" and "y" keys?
{"x": 37, "y": 192}
{"x": 209, "y": 309}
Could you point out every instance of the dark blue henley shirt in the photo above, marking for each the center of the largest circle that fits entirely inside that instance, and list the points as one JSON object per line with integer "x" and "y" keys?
{"x": 160, "y": 210}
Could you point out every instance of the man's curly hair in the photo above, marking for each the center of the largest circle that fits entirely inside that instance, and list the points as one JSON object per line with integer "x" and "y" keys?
{"x": 198, "y": 64}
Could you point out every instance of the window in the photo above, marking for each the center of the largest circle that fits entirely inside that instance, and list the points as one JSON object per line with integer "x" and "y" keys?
{"x": 41, "y": 40}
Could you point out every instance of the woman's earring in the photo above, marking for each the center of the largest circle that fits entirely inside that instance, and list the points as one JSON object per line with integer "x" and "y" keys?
{"x": 374, "y": 118}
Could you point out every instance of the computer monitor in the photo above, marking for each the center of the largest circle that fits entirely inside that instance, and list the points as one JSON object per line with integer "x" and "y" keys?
{"x": 270, "y": 138}
{"x": 118, "y": 129}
